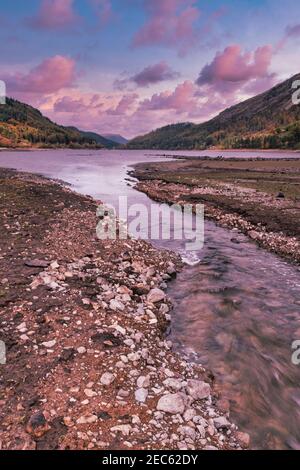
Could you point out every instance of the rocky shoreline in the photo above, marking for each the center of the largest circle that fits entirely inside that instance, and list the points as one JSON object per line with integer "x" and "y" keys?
{"x": 84, "y": 321}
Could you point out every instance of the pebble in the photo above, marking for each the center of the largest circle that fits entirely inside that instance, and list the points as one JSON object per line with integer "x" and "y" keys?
{"x": 107, "y": 378}
{"x": 172, "y": 403}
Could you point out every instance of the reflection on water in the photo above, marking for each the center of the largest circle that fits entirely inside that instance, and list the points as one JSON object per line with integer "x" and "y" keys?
{"x": 238, "y": 308}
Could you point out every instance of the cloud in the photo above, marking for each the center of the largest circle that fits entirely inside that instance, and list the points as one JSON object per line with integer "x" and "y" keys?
{"x": 292, "y": 31}
{"x": 182, "y": 99}
{"x": 150, "y": 75}
{"x": 54, "y": 14}
{"x": 68, "y": 104}
{"x": 154, "y": 74}
{"x": 169, "y": 23}
{"x": 232, "y": 65}
{"x": 50, "y": 76}
{"x": 124, "y": 105}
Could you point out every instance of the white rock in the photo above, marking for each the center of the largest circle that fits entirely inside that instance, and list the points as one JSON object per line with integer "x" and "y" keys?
{"x": 90, "y": 393}
{"x": 107, "y": 378}
{"x": 81, "y": 350}
{"x": 116, "y": 305}
{"x": 87, "y": 419}
{"x": 197, "y": 389}
{"x": 125, "y": 429}
{"x": 156, "y": 295}
{"x": 141, "y": 395}
{"x": 49, "y": 344}
{"x": 172, "y": 403}
{"x": 143, "y": 381}
{"x": 175, "y": 384}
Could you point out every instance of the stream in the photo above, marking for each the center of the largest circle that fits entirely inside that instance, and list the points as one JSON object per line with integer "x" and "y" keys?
{"x": 236, "y": 306}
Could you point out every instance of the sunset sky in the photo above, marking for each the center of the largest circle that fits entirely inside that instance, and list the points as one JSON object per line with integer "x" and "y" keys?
{"x": 129, "y": 66}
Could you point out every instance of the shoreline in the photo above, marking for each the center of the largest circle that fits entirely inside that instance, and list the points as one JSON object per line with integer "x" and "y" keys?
{"x": 84, "y": 322}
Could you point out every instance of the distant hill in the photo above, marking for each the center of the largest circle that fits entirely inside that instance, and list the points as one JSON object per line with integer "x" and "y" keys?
{"x": 23, "y": 126}
{"x": 267, "y": 121}
{"x": 99, "y": 139}
{"x": 116, "y": 138}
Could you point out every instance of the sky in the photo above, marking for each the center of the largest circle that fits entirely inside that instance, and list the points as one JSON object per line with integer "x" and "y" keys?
{"x": 130, "y": 66}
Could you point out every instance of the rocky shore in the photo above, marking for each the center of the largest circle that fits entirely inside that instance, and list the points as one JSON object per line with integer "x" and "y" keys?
{"x": 84, "y": 322}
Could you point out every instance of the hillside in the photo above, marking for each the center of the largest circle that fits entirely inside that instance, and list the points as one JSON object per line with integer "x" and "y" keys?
{"x": 99, "y": 139}
{"x": 119, "y": 139}
{"x": 266, "y": 121}
{"x": 23, "y": 126}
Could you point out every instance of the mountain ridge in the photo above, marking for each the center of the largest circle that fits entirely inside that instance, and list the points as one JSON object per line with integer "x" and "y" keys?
{"x": 268, "y": 120}
{"x": 23, "y": 126}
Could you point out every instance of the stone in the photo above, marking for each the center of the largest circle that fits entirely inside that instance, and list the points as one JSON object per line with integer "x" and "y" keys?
{"x": 221, "y": 423}
{"x": 49, "y": 344}
{"x": 198, "y": 389}
{"x": 141, "y": 395}
{"x": 81, "y": 350}
{"x": 37, "y": 425}
{"x": 107, "y": 378}
{"x": 37, "y": 263}
{"x": 173, "y": 403}
{"x": 143, "y": 382}
{"x": 124, "y": 429}
{"x": 175, "y": 384}
{"x": 243, "y": 438}
{"x": 156, "y": 295}
{"x": 90, "y": 393}
{"x": 90, "y": 419}
{"x": 116, "y": 305}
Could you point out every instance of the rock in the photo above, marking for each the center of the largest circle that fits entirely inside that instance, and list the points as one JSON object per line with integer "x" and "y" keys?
{"x": 221, "y": 423}
{"x": 124, "y": 429}
{"x": 187, "y": 431}
{"x": 37, "y": 425}
{"x": 197, "y": 389}
{"x": 141, "y": 395}
{"x": 156, "y": 295}
{"x": 175, "y": 384}
{"x": 107, "y": 378}
{"x": 280, "y": 195}
{"x": 81, "y": 350}
{"x": 189, "y": 414}
{"x": 90, "y": 393}
{"x": 37, "y": 263}
{"x": 253, "y": 235}
{"x": 243, "y": 438}
{"x": 172, "y": 403}
{"x": 49, "y": 344}
{"x": 90, "y": 419}
{"x": 54, "y": 265}
{"x": 143, "y": 382}
{"x": 140, "y": 289}
{"x": 116, "y": 305}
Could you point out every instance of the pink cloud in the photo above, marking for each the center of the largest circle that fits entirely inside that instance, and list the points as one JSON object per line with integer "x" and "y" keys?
{"x": 182, "y": 99}
{"x": 68, "y": 104}
{"x": 170, "y": 23}
{"x": 232, "y": 65}
{"x": 124, "y": 105}
{"x": 54, "y": 14}
{"x": 50, "y": 76}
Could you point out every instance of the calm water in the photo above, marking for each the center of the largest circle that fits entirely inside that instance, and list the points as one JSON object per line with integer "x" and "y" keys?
{"x": 237, "y": 310}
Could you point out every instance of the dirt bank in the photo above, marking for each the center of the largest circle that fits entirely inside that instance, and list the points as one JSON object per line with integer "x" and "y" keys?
{"x": 88, "y": 364}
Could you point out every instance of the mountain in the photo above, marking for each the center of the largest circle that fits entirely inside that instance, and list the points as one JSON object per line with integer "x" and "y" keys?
{"x": 99, "y": 139}
{"x": 23, "y": 126}
{"x": 267, "y": 121}
{"x": 116, "y": 138}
